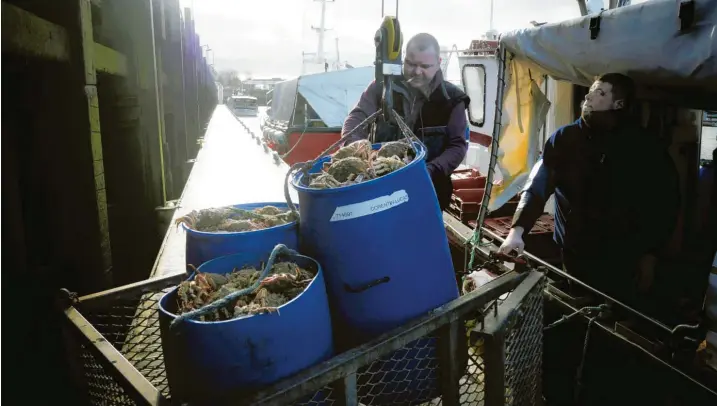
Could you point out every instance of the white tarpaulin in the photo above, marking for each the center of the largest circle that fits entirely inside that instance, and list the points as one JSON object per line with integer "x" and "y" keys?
{"x": 333, "y": 95}
{"x": 283, "y": 99}
{"x": 643, "y": 41}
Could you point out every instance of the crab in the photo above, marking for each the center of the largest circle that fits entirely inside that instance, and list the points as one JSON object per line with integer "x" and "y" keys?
{"x": 205, "y": 218}
{"x": 269, "y": 210}
{"x": 192, "y": 295}
{"x": 234, "y": 219}
{"x": 384, "y": 166}
{"x": 263, "y": 302}
{"x": 359, "y": 149}
{"x": 399, "y": 149}
{"x": 231, "y": 225}
{"x": 324, "y": 181}
{"x": 342, "y": 169}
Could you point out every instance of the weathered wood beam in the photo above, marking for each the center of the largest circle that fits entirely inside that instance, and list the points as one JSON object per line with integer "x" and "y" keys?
{"x": 108, "y": 60}
{"x": 95, "y": 136}
{"x": 28, "y": 34}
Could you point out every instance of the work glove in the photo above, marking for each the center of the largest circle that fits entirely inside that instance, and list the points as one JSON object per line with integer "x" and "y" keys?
{"x": 513, "y": 242}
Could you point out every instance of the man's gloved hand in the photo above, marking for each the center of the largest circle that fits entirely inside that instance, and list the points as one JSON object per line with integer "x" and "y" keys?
{"x": 513, "y": 242}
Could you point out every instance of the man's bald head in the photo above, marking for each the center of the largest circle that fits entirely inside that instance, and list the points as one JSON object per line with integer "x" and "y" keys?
{"x": 424, "y": 42}
{"x": 422, "y": 60}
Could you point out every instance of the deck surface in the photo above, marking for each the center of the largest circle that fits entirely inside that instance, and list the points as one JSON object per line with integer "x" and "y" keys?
{"x": 231, "y": 168}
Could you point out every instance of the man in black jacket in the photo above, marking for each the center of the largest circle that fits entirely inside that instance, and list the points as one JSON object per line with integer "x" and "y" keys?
{"x": 616, "y": 192}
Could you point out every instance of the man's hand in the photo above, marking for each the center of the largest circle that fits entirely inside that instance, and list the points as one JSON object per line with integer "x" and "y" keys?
{"x": 514, "y": 242}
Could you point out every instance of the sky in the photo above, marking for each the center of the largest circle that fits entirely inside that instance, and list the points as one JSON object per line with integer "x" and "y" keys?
{"x": 265, "y": 38}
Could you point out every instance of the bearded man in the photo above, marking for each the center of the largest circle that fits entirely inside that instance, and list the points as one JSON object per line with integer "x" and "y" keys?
{"x": 433, "y": 108}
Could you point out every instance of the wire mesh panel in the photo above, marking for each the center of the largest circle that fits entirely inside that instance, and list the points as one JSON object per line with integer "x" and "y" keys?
{"x": 509, "y": 333}
{"x": 524, "y": 351}
{"x": 514, "y": 347}
{"x": 101, "y": 388}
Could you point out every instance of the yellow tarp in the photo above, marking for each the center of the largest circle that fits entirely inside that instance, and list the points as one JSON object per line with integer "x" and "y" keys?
{"x": 524, "y": 108}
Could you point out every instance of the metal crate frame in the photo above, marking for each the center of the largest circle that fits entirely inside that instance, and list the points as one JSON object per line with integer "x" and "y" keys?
{"x": 114, "y": 348}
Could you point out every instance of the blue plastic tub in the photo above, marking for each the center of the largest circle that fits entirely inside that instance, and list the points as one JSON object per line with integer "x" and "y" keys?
{"x": 385, "y": 252}
{"x": 204, "y": 246}
{"x": 205, "y": 360}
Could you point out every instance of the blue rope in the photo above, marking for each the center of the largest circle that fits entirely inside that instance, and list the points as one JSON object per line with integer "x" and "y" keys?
{"x": 278, "y": 250}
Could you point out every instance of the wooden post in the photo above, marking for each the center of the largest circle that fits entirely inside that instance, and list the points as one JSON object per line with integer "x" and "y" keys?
{"x": 175, "y": 117}
{"x": 190, "y": 84}
{"x": 93, "y": 110}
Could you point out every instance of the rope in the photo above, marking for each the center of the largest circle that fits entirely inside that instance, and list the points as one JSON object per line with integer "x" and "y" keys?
{"x": 301, "y": 137}
{"x": 475, "y": 239}
{"x": 226, "y": 300}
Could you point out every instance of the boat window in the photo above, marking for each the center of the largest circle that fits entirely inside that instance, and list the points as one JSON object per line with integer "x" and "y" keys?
{"x": 474, "y": 84}
{"x": 245, "y": 103}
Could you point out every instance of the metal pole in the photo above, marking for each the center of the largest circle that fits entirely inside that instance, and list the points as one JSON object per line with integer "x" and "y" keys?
{"x": 322, "y": 29}
{"x": 583, "y": 7}
{"x": 382, "y": 8}
{"x": 396, "y": 9}
{"x": 491, "y": 15}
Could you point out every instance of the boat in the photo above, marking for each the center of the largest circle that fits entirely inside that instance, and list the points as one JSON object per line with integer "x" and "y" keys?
{"x": 242, "y": 105}
{"x": 307, "y": 112}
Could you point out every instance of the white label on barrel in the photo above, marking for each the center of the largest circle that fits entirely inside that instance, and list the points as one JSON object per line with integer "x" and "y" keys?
{"x": 370, "y": 207}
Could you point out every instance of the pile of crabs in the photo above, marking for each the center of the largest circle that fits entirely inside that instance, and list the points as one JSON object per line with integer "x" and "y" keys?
{"x": 285, "y": 281}
{"x": 233, "y": 219}
{"x": 358, "y": 162}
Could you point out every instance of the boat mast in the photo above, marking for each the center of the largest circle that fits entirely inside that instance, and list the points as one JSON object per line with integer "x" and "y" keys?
{"x": 321, "y": 30}
{"x": 491, "y": 34}
{"x": 338, "y": 56}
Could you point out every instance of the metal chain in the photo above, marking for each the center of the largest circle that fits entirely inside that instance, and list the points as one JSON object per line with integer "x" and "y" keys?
{"x": 369, "y": 120}
{"x": 405, "y": 130}
{"x": 305, "y": 166}
{"x": 595, "y": 311}
{"x": 587, "y": 310}
{"x": 579, "y": 374}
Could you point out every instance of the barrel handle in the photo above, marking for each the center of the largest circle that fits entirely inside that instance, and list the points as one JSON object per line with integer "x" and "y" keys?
{"x": 367, "y": 286}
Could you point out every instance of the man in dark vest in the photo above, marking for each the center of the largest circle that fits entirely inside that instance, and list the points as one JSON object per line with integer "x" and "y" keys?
{"x": 432, "y": 107}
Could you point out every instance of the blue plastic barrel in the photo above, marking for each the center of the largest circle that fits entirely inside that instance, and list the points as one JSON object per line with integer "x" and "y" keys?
{"x": 206, "y": 360}
{"x": 385, "y": 251}
{"x": 203, "y": 246}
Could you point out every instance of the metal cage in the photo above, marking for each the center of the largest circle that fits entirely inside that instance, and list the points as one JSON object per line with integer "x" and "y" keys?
{"x": 113, "y": 344}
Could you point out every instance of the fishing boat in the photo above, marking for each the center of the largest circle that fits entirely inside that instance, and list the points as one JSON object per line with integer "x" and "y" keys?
{"x": 306, "y": 113}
